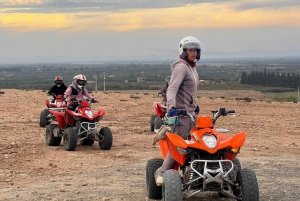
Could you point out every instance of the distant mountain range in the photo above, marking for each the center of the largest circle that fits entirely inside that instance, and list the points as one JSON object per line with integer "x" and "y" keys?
{"x": 253, "y": 53}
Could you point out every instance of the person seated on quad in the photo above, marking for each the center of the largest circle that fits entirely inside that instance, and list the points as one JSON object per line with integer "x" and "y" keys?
{"x": 58, "y": 89}
{"x": 163, "y": 91}
{"x": 76, "y": 91}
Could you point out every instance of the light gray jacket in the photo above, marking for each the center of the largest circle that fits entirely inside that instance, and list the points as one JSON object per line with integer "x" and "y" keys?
{"x": 182, "y": 91}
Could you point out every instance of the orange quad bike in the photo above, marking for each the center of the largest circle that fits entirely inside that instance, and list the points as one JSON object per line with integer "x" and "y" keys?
{"x": 157, "y": 119}
{"x": 205, "y": 161}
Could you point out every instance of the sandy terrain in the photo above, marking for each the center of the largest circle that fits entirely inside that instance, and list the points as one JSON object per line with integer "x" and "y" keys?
{"x": 31, "y": 170}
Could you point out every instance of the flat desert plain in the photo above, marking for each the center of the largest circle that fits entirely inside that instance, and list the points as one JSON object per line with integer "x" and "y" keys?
{"x": 31, "y": 170}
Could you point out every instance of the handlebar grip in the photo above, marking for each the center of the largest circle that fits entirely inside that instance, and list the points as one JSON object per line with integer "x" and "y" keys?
{"x": 231, "y": 111}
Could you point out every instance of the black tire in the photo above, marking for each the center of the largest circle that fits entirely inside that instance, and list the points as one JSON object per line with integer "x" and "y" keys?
{"x": 43, "y": 118}
{"x": 87, "y": 142}
{"x": 50, "y": 139}
{"x": 172, "y": 187}
{"x": 157, "y": 123}
{"x": 153, "y": 191}
{"x": 152, "y": 118}
{"x": 237, "y": 164}
{"x": 70, "y": 139}
{"x": 106, "y": 138}
{"x": 248, "y": 190}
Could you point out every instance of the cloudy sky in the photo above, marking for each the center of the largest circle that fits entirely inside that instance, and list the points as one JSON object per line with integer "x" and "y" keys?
{"x": 137, "y": 28}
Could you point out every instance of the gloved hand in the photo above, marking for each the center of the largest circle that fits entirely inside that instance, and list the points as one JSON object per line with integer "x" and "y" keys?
{"x": 197, "y": 110}
{"x": 93, "y": 100}
{"x": 172, "y": 112}
{"x": 63, "y": 98}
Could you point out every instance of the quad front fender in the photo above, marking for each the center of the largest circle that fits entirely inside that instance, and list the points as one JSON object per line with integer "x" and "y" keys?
{"x": 236, "y": 141}
{"x": 173, "y": 142}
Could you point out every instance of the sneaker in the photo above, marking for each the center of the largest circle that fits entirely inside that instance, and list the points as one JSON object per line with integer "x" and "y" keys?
{"x": 159, "y": 180}
{"x": 158, "y": 177}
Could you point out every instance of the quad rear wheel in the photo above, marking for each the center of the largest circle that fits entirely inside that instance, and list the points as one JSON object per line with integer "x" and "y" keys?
{"x": 70, "y": 139}
{"x": 87, "y": 142}
{"x": 106, "y": 138}
{"x": 50, "y": 139}
{"x": 153, "y": 191}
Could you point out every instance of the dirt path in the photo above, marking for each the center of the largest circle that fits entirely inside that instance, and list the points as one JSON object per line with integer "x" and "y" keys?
{"x": 31, "y": 170}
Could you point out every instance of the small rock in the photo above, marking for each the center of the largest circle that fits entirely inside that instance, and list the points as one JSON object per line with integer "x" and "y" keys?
{"x": 118, "y": 155}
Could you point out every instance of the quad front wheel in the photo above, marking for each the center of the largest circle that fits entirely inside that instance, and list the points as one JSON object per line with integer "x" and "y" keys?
{"x": 152, "y": 118}
{"x": 70, "y": 139}
{"x": 43, "y": 118}
{"x": 153, "y": 191}
{"x": 248, "y": 187}
{"x": 50, "y": 139}
{"x": 106, "y": 138}
{"x": 172, "y": 189}
{"x": 157, "y": 122}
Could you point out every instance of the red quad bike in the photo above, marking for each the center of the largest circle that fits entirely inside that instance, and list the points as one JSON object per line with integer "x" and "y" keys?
{"x": 81, "y": 125}
{"x": 157, "y": 120}
{"x": 206, "y": 161}
{"x": 46, "y": 117}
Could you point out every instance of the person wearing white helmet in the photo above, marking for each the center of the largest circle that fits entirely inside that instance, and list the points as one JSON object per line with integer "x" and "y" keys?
{"x": 58, "y": 89}
{"x": 77, "y": 91}
{"x": 182, "y": 94}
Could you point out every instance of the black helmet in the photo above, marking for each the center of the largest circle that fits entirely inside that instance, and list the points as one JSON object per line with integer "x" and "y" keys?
{"x": 168, "y": 79}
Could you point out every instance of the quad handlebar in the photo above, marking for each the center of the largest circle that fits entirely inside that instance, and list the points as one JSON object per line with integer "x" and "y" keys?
{"x": 74, "y": 100}
{"x": 221, "y": 112}
{"x": 215, "y": 114}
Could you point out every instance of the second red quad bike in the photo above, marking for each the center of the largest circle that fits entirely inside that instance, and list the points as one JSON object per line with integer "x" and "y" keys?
{"x": 157, "y": 119}
{"x": 46, "y": 117}
{"x": 205, "y": 161}
{"x": 81, "y": 125}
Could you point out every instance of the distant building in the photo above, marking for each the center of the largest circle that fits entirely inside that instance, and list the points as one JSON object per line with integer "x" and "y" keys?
{"x": 140, "y": 79}
{"x": 203, "y": 82}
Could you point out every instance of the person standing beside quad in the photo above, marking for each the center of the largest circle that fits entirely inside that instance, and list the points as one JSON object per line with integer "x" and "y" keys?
{"x": 58, "y": 89}
{"x": 76, "y": 91}
{"x": 163, "y": 91}
{"x": 182, "y": 94}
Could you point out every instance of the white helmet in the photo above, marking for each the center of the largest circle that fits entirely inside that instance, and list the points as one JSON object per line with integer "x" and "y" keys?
{"x": 80, "y": 80}
{"x": 189, "y": 42}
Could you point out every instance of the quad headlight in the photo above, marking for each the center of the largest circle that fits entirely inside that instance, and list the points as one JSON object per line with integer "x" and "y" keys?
{"x": 210, "y": 141}
{"x": 89, "y": 113}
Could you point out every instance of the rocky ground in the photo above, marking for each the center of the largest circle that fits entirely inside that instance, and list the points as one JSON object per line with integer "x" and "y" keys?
{"x": 31, "y": 170}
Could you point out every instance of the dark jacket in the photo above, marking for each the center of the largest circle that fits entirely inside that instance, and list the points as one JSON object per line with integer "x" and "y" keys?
{"x": 58, "y": 90}
{"x": 163, "y": 92}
